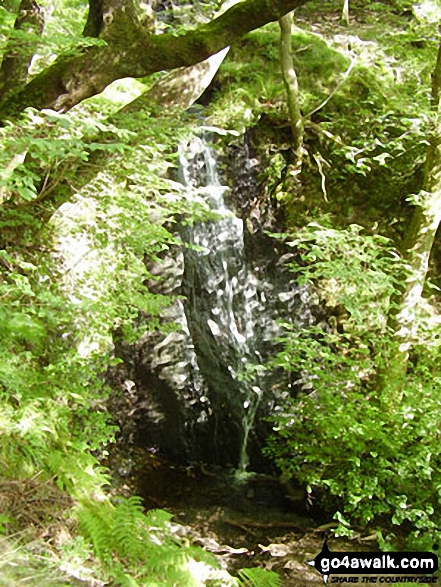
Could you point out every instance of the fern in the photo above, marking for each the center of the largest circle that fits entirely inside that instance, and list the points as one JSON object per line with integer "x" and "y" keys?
{"x": 122, "y": 579}
{"x": 95, "y": 522}
{"x": 130, "y": 530}
{"x": 138, "y": 550}
{"x": 259, "y": 578}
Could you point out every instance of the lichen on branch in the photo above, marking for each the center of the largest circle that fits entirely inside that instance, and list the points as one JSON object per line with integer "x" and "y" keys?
{"x": 132, "y": 51}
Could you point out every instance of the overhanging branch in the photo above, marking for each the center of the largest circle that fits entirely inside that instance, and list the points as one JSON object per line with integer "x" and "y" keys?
{"x": 135, "y": 53}
{"x": 178, "y": 89}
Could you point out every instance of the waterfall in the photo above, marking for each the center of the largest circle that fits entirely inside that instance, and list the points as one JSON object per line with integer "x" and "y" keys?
{"x": 204, "y": 394}
{"x": 228, "y": 296}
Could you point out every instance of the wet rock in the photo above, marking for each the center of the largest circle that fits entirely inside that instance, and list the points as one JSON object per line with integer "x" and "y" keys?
{"x": 202, "y": 391}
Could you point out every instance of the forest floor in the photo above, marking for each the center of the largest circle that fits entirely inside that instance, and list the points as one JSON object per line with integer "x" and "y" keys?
{"x": 246, "y": 522}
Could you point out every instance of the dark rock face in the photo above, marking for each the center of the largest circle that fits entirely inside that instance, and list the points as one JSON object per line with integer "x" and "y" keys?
{"x": 202, "y": 392}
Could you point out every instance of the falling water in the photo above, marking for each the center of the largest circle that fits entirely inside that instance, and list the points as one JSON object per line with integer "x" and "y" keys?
{"x": 227, "y": 281}
{"x": 203, "y": 391}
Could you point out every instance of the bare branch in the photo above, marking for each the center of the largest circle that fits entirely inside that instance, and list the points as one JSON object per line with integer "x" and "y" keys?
{"x": 291, "y": 83}
{"x": 334, "y": 91}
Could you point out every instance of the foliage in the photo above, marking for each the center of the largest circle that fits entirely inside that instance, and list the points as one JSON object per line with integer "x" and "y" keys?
{"x": 59, "y": 310}
{"x": 20, "y": 563}
{"x": 66, "y": 288}
{"x": 340, "y": 435}
{"x": 50, "y": 143}
{"x": 140, "y": 549}
{"x": 259, "y": 578}
{"x": 253, "y": 83}
{"x": 362, "y": 282}
{"x": 366, "y": 142}
{"x": 44, "y": 403}
{"x": 64, "y": 293}
{"x": 62, "y": 32}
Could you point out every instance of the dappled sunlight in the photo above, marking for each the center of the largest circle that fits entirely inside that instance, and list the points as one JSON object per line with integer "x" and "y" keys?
{"x": 220, "y": 277}
{"x": 428, "y": 11}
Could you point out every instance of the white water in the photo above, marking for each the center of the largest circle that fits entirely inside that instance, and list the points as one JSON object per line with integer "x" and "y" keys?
{"x": 227, "y": 281}
{"x": 213, "y": 388}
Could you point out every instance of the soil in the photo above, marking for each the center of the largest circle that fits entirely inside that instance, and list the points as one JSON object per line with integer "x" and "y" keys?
{"x": 245, "y": 520}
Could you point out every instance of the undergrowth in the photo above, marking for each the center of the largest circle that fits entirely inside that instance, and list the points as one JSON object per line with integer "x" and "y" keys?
{"x": 371, "y": 462}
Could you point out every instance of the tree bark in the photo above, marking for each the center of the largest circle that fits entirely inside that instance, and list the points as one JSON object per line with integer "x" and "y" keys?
{"x": 179, "y": 89}
{"x": 132, "y": 52}
{"x": 418, "y": 245}
{"x": 94, "y": 23}
{"x": 18, "y": 55}
{"x": 291, "y": 84}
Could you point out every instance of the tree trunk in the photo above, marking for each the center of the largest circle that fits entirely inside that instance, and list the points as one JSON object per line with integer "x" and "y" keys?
{"x": 291, "y": 84}
{"x": 131, "y": 51}
{"x": 19, "y": 221}
{"x": 18, "y": 55}
{"x": 418, "y": 246}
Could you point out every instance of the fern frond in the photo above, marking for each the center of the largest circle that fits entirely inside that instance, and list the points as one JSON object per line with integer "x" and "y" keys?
{"x": 259, "y": 578}
{"x": 130, "y": 531}
{"x": 122, "y": 579}
{"x": 158, "y": 518}
{"x": 96, "y": 525}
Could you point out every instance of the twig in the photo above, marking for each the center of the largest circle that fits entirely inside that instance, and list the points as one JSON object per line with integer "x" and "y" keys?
{"x": 241, "y": 526}
{"x": 319, "y": 160}
{"x": 328, "y": 135}
{"x": 247, "y": 524}
{"x": 334, "y": 91}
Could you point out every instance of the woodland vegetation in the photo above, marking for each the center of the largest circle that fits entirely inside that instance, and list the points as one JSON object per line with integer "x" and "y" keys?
{"x": 342, "y": 101}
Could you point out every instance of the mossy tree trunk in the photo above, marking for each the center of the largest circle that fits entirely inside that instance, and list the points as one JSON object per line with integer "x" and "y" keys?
{"x": 179, "y": 89}
{"x": 291, "y": 85}
{"x": 131, "y": 50}
{"x": 418, "y": 245}
{"x": 18, "y": 54}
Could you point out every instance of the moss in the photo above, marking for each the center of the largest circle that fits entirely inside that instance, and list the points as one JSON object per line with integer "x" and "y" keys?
{"x": 368, "y": 118}
{"x": 250, "y": 79}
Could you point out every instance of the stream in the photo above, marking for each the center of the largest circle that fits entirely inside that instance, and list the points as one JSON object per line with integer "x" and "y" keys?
{"x": 245, "y": 523}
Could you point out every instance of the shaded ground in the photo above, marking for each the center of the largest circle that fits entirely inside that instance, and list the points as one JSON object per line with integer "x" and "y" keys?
{"x": 246, "y": 523}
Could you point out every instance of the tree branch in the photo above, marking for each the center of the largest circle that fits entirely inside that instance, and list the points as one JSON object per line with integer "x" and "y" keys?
{"x": 94, "y": 23}
{"x": 178, "y": 89}
{"x": 291, "y": 84}
{"x": 132, "y": 52}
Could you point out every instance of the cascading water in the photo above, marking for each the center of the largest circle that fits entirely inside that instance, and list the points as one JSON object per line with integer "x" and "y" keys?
{"x": 204, "y": 394}
{"x": 225, "y": 282}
